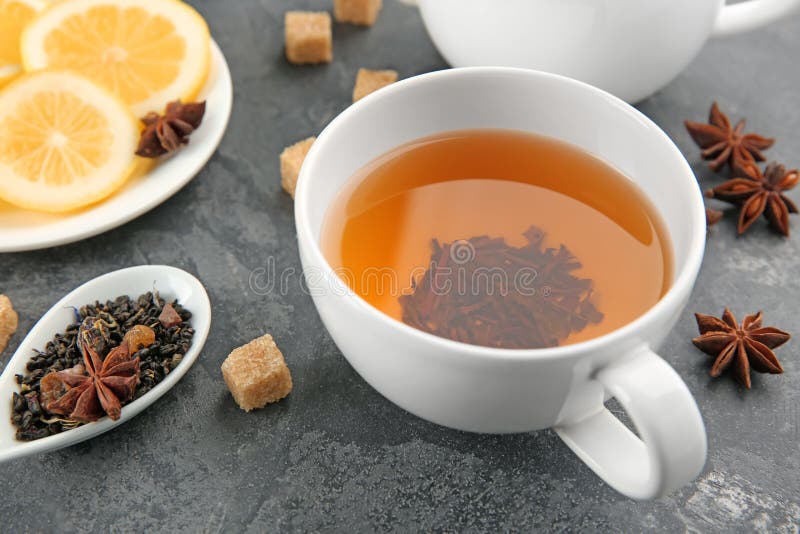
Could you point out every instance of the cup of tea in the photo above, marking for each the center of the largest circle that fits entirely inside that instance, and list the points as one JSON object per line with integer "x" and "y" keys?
{"x": 502, "y": 250}
{"x": 630, "y": 48}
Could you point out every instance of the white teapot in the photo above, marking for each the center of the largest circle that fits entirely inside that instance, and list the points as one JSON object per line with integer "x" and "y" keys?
{"x": 631, "y": 48}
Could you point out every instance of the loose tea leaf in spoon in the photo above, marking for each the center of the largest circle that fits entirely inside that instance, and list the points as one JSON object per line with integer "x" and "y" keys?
{"x": 119, "y": 332}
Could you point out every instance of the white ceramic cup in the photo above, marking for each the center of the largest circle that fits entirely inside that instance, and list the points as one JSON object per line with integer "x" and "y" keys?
{"x": 631, "y": 48}
{"x": 483, "y": 389}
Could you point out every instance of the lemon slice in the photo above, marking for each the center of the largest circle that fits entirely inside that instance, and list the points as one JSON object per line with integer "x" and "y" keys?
{"x": 65, "y": 142}
{"x": 147, "y": 52}
{"x": 14, "y": 15}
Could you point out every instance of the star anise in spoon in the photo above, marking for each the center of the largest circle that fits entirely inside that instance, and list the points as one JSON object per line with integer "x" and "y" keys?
{"x": 759, "y": 194}
{"x": 168, "y": 132}
{"x": 722, "y": 143}
{"x": 739, "y": 348}
{"x": 99, "y": 386}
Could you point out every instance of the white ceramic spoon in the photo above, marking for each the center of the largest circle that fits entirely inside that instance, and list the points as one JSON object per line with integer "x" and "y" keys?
{"x": 171, "y": 283}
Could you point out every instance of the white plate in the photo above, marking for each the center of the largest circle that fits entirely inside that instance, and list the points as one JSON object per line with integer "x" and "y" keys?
{"x": 22, "y": 229}
{"x": 170, "y": 282}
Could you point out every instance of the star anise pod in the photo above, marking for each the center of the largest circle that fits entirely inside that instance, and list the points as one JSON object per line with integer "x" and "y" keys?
{"x": 722, "y": 143}
{"x": 166, "y": 133}
{"x": 99, "y": 386}
{"x": 740, "y": 348}
{"x": 759, "y": 193}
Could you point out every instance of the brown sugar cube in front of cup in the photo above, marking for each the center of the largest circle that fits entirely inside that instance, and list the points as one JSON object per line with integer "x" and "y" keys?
{"x": 362, "y": 12}
{"x": 369, "y": 81}
{"x": 308, "y": 37}
{"x": 256, "y": 374}
{"x": 291, "y": 160}
{"x": 8, "y": 321}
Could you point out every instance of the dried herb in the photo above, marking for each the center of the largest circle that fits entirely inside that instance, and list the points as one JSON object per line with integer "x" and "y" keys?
{"x": 722, "y": 143}
{"x": 168, "y": 132}
{"x": 740, "y": 348}
{"x": 759, "y": 194}
{"x": 113, "y": 320}
{"x": 456, "y": 298}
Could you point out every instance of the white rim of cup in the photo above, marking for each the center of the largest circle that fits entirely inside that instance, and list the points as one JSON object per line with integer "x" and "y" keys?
{"x": 682, "y": 284}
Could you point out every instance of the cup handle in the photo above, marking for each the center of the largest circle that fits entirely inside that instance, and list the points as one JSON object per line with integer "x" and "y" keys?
{"x": 745, "y": 16}
{"x": 672, "y": 448}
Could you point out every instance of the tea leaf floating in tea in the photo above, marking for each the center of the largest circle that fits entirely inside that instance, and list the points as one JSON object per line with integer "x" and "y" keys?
{"x": 486, "y": 292}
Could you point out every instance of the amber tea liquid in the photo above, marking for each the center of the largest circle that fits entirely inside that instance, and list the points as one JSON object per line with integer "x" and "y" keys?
{"x": 491, "y": 205}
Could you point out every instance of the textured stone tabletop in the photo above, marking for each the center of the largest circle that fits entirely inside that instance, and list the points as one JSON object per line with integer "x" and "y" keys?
{"x": 336, "y": 455}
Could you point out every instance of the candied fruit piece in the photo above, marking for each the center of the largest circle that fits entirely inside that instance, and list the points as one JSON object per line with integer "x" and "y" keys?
{"x": 169, "y": 317}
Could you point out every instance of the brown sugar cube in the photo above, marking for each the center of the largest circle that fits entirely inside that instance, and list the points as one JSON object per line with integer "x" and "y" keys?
{"x": 363, "y": 12}
{"x": 256, "y": 374}
{"x": 369, "y": 81}
{"x": 291, "y": 160}
{"x": 8, "y": 321}
{"x": 308, "y": 37}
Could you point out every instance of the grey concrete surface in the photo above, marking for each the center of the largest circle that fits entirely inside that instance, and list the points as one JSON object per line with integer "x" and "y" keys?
{"x": 335, "y": 455}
